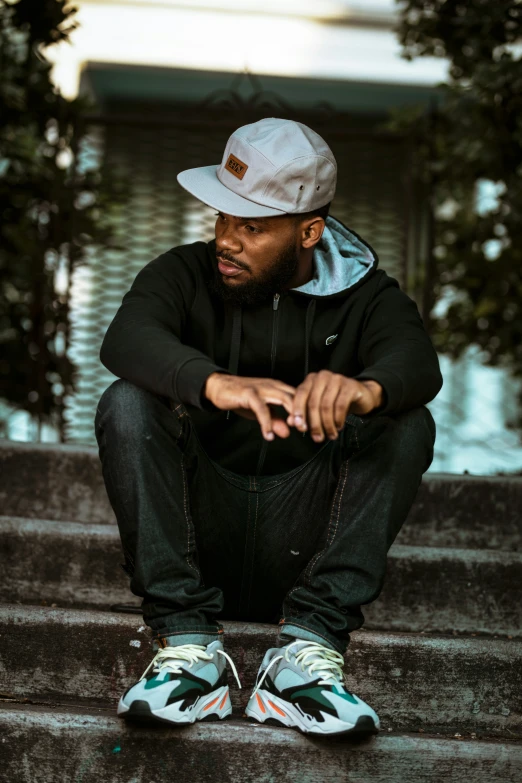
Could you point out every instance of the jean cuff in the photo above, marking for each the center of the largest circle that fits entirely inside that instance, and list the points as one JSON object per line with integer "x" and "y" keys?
{"x": 175, "y": 638}
{"x": 289, "y": 632}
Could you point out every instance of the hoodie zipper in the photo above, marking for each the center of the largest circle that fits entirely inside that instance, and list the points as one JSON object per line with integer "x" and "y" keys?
{"x": 275, "y": 305}
{"x": 275, "y": 323}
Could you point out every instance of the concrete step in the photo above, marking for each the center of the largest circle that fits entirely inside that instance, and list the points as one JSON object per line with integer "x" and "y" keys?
{"x": 89, "y": 745}
{"x": 414, "y": 682}
{"x": 53, "y": 481}
{"x": 438, "y": 590}
{"x": 66, "y": 484}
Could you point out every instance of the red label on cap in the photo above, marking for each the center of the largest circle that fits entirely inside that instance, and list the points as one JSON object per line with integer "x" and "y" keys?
{"x": 236, "y": 167}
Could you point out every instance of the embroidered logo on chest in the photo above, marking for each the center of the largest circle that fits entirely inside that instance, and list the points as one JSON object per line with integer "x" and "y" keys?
{"x": 329, "y": 340}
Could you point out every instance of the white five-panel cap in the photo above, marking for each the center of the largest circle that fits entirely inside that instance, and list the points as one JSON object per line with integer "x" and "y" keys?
{"x": 270, "y": 167}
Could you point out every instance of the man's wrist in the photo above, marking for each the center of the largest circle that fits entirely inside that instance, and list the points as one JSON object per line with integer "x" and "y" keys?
{"x": 209, "y": 384}
{"x": 376, "y": 391}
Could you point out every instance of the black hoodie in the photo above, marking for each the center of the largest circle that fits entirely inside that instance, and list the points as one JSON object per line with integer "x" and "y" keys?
{"x": 170, "y": 333}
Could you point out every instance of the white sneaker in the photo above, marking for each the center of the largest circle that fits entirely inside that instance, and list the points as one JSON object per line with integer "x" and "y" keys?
{"x": 305, "y": 689}
{"x": 181, "y": 684}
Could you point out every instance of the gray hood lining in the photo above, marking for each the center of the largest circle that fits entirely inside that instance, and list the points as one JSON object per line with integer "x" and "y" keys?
{"x": 341, "y": 259}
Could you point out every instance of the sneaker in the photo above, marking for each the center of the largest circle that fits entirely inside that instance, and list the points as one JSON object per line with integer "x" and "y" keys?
{"x": 305, "y": 689}
{"x": 181, "y": 684}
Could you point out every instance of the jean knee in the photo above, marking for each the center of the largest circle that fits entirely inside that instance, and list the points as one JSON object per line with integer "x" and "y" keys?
{"x": 420, "y": 420}
{"x": 417, "y": 426}
{"x": 124, "y": 405}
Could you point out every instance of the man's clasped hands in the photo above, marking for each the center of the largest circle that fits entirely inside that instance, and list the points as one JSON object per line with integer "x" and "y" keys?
{"x": 320, "y": 404}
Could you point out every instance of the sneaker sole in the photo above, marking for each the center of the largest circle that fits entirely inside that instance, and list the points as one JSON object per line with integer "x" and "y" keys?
{"x": 276, "y": 712}
{"x": 215, "y": 706}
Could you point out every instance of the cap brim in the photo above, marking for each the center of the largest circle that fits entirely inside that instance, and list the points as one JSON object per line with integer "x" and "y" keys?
{"x": 203, "y": 183}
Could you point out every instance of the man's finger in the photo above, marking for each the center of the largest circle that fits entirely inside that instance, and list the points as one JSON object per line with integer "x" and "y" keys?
{"x": 276, "y": 397}
{"x": 285, "y": 387}
{"x": 343, "y": 402}
{"x": 327, "y": 403}
{"x": 299, "y": 413}
{"x": 314, "y": 416}
{"x": 280, "y": 428}
{"x": 262, "y": 412}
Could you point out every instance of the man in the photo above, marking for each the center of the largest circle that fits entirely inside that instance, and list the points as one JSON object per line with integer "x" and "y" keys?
{"x": 265, "y": 438}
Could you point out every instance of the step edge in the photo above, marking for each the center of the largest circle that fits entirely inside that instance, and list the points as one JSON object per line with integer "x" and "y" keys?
{"x": 106, "y": 718}
{"x": 25, "y": 614}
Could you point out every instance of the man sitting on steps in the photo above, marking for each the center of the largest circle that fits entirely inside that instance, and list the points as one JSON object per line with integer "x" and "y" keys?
{"x": 265, "y": 438}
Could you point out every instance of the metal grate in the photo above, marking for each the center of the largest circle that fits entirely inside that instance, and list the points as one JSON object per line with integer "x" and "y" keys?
{"x": 159, "y": 214}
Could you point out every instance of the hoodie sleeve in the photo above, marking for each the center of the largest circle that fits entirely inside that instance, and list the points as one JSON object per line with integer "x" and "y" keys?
{"x": 396, "y": 351}
{"x": 143, "y": 342}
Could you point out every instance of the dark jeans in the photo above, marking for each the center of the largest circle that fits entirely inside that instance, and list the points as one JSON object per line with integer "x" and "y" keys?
{"x": 306, "y": 548}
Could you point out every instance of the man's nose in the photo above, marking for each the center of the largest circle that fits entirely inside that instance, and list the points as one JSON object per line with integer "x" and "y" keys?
{"x": 226, "y": 239}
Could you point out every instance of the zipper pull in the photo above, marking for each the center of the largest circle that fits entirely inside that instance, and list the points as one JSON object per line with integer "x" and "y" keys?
{"x": 276, "y": 301}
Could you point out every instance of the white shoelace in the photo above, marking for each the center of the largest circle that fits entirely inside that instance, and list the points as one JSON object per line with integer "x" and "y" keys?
{"x": 329, "y": 667}
{"x": 191, "y": 653}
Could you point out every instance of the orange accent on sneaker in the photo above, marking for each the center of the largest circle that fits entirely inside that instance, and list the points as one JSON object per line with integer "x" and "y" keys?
{"x": 281, "y": 621}
{"x": 276, "y": 708}
{"x": 209, "y": 705}
{"x": 261, "y": 705}
{"x": 223, "y": 700}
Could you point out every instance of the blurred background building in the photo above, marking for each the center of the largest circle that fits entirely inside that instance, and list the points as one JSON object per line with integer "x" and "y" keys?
{"x": 172, "y": 79}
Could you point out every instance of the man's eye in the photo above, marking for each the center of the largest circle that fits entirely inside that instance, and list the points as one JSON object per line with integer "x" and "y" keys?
{"x": 252, "y": 229}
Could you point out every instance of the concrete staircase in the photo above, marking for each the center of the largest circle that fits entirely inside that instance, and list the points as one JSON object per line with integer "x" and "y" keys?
{"x": 439, "y": 657}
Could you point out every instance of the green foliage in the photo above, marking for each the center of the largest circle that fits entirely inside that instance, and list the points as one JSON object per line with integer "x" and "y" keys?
{"x": 53, "y": 210}
{"x": 470, "y": 138}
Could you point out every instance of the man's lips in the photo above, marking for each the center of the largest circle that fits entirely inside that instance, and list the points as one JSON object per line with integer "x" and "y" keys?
{"x": 228, "y": 268}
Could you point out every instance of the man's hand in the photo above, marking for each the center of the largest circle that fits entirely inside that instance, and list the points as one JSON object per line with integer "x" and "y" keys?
{"x": 250, "y": 397}
{"x": 324, "y": 399}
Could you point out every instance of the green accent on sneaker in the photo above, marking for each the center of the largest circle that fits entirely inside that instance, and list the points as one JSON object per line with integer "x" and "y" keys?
{"x": 154, "y": 683}
{"x": 312, "y": 693}
{"x": 184, "y": 684}
{"x": 345, "y": 695}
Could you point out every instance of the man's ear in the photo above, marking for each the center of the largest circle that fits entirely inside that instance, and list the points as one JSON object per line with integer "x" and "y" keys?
{"x": 313, "y": 232}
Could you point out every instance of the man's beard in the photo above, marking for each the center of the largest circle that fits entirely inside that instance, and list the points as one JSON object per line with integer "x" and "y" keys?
{"x": 258, "y": 291}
